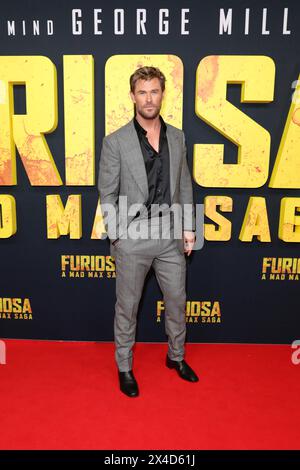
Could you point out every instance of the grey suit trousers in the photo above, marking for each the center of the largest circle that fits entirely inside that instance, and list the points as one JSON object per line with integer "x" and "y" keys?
{"x": 133, "y": 260}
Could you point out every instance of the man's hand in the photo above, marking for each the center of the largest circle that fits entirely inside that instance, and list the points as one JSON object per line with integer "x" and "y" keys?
{"x": 189, "y": 241}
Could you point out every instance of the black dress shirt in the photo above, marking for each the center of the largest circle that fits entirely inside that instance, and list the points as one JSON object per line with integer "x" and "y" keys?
{"x": 157, "y": 166}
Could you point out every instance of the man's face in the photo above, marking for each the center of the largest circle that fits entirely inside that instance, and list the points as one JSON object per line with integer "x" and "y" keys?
{"x": 147, "y": 97}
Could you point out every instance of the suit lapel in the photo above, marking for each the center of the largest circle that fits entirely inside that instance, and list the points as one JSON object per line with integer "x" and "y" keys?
{"x": 131, "y": 149}
{"x": 174, "y": 153}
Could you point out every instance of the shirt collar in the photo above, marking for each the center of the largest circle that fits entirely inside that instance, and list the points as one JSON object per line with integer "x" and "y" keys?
{"x": 139, "y": 128}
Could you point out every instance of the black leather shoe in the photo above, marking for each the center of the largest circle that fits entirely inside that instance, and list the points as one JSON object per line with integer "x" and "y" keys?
{"x": 128, "y": 384}
{"x": 183, "y": 369}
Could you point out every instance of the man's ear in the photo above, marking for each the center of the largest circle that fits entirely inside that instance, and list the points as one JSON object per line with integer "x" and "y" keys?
{"x": 132, "y": 97}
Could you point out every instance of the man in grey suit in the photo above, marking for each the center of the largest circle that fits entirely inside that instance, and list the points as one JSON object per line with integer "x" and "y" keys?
{"x": 144, "y": 164}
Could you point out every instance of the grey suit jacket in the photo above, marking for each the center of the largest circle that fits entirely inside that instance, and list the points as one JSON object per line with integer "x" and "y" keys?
{"x": 122, "y": 172}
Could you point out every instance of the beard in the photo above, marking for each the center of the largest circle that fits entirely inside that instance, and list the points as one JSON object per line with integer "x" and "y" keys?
{"x": 149, "y": 114}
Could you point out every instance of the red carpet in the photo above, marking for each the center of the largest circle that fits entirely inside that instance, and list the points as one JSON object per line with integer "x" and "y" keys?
{"x": 59, "y": 395}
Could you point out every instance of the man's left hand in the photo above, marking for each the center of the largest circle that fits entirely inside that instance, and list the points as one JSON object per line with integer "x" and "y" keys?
{"x": 189, "y": 241}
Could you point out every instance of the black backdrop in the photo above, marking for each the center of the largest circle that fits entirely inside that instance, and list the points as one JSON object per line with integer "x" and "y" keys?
{"x": 251, "y": 309}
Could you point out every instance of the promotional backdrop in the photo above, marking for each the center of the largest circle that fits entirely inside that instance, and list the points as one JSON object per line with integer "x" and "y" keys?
{"x": 232, "y": 69}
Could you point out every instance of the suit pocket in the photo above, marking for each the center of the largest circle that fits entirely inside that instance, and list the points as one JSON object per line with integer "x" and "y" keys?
{"x": 115, "y": 242}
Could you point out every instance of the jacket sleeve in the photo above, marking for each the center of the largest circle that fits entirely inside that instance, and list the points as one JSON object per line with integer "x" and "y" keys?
{"x": 108, "y": 186}
{"x": 186, "y": 192}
